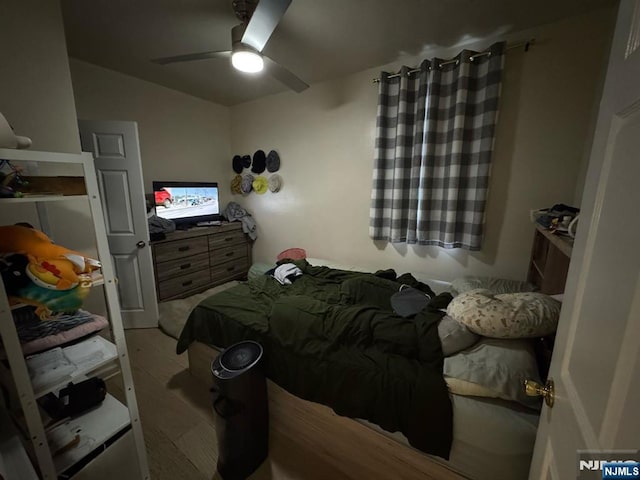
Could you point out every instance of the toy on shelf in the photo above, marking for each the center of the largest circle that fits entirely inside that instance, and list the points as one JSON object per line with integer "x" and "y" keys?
{"x": 11, "y": 180}
{"x": 8, "y": 139}
{"x": 38, "y": 272}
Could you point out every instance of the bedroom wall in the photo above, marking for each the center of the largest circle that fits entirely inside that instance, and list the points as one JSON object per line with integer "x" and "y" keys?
{"x": 36, "y": 95}
{"x": 181, "y": 137}
{"x": 325, "y": 138}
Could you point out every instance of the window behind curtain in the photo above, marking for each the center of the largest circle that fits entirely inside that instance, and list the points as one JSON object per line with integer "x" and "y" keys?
{"x": 434, "y": 140}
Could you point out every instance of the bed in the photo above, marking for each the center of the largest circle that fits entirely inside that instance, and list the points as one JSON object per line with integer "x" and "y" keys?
{"x": 403, "y": 392}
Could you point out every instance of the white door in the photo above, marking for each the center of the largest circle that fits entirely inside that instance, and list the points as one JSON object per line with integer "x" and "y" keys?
{"x": 116, "y": 152}
{"x": 596, "y": 360}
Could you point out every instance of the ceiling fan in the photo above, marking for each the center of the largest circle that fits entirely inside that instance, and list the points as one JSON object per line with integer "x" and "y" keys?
{"x": 259, "y": 19}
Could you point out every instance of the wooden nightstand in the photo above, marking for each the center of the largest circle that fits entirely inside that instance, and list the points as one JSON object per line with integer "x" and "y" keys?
{"x": 549, "y": 264}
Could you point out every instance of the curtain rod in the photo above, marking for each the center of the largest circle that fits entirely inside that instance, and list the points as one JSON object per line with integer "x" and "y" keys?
{"x": 525, "y": 43}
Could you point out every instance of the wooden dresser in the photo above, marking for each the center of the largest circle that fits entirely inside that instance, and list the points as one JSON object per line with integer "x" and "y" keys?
{"x": 190, "y": 261}
{"x": 549, "y": 263}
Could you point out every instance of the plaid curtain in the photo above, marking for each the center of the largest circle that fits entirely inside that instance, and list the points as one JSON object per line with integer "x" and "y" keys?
{"x": 434, "y": 139}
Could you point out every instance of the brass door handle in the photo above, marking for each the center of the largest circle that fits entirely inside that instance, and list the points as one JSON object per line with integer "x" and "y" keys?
{"x": 534, "y": 389}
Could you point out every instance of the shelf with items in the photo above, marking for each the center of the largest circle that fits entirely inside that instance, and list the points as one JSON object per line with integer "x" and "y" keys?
{"x": 91, "y": 429}
{"x": 560, "y": 241}
{"x": 74, "y": 440}
{"x": 90, "y": 357}
{"x": 549, "y": 262}
{"x": 55, "y": 368}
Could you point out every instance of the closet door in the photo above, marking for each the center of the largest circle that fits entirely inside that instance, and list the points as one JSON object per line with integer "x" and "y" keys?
{"x": 116, "y": 151}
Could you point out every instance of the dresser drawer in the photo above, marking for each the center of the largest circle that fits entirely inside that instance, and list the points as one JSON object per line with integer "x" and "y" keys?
{"x": 228, "y": 254}
{"x": 180, "y": 249}
{"x": 182, "y": 266}
{"x": 225, "y": 239}
{"x": 184, "y": 283}
{"x": 229, "y": 271}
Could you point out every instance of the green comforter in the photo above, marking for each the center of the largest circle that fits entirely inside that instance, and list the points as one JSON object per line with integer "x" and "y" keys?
{"x": 331, "y": 337}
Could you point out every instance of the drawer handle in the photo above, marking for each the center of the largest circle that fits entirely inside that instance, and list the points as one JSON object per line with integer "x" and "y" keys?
{"x": 183, "y": 249}
{"x": 230, "y": 254}
{"x": 228, "y": 239}
{"x": 186, "y": 265}
{"x": 231, "y": 269}
{"x": 186, "y": 284}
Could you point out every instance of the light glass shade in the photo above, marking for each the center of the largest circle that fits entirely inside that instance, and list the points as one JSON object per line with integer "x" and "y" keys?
{"x": 246, "y": 61}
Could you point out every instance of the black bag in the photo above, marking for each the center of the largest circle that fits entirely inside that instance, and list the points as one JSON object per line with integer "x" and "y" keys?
{"x": 74, "y": 399}
{"x": 79, "y": 397}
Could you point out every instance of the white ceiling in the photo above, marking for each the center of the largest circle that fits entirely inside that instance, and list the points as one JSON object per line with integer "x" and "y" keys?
{"x": 317, "y": 39}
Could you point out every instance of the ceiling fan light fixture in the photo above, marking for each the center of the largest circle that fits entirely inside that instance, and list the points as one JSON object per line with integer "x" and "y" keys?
{"x": 247, "y": 61}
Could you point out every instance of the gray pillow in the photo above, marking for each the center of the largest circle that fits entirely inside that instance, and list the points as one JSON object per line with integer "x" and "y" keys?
{"x": 496, "y": 285}
{"x": 500, "y": 366}
{"x": 455, "y": 336}
{"x": 259, "y": 269}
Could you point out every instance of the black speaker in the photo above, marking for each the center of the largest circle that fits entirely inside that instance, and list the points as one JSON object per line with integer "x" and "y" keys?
{"x": 241, "y": 410}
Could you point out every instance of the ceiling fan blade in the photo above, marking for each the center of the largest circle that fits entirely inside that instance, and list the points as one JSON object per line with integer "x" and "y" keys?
{"x": 263, "y": 22}
{"x": 191, "y": 56}
{"x": 283, "y": 75}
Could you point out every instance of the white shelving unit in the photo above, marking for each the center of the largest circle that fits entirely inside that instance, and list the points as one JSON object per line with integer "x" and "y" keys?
{"x": 14, "y": 462}
{"x": 98, "y": 428}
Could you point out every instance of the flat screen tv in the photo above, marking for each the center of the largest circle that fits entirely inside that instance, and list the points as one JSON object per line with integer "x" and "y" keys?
{"x": 187, "y": 203}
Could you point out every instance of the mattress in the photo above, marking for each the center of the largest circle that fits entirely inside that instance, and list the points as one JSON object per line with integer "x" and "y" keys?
{"x": 492, "y": 439}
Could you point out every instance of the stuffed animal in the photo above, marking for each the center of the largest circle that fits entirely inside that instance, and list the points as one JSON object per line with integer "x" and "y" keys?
{"x": 37, "y": 272}
{"x": 48, "y": 302}
{"x": 50, "y": 266}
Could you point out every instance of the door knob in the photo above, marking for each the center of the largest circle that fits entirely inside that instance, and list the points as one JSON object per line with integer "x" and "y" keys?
{"x": 534, "y": 389}
{"x": 141, "y": 244}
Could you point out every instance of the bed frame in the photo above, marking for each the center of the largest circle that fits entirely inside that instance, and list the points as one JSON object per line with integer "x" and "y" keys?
{"x": 350, "y": 446}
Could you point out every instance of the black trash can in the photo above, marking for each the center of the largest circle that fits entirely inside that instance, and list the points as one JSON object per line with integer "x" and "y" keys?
{"x": 241, "y": 410}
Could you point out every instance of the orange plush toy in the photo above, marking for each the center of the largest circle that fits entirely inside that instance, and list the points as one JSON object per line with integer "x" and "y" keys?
{"x": 36, "y": 272}
{"x": 50, "y": 266}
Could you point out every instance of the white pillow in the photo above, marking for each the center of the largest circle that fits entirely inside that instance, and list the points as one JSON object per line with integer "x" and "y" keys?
{"x": 510, "y": 315}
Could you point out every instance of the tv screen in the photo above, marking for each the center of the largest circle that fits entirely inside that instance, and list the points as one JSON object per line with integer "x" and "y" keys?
{"x": 187, "y": 202}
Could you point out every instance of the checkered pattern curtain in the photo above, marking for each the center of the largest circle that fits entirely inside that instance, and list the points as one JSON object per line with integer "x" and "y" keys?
{"x": 434, "y": 139}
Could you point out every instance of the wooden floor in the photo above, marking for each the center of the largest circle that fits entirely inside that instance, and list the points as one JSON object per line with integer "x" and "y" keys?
{"x": 177, "y": 420}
